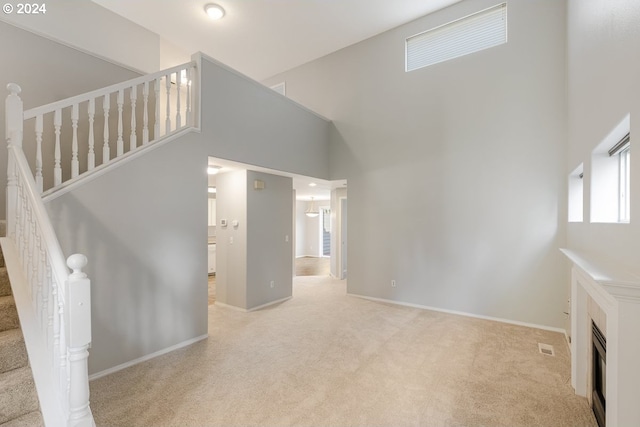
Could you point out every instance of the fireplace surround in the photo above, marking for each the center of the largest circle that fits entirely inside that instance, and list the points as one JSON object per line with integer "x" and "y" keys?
{"x": 616, "y": 292}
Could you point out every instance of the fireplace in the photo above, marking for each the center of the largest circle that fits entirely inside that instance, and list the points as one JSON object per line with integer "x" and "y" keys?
{"x": 599, "y": 374}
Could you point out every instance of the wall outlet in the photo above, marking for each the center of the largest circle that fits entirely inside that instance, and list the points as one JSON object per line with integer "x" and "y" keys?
{"x": 272, "y": 283}
{"x": 393, "y": 283}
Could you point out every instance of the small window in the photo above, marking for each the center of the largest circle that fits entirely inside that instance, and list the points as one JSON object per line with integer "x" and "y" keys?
{"x": 610, "y": 176}
{"x": 623, "y": 151}
{"x": 482, "y": 30}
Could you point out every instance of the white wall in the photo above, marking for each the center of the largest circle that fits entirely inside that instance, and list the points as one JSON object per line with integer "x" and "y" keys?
{"x": 604, "y": 86}
{"x": 301, "y": 228}
{"x": 308, "y": 240}
{"x": 90, "y": 27}
{"x": 48, "y": 71}
{"x": 456, "y": 171}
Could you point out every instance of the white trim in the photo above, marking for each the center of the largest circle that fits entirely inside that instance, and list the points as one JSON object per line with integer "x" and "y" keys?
{"x": 35, "y": 342}
{"x": 462, "y": 313}
{"x": 88, "y": 176}
{"x": 147, "y": 357}
{"x": 249, "y": 310}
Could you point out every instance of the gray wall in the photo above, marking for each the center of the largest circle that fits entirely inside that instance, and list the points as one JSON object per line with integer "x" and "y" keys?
{"x": 47, "y": 71}
{"x": 259, "y": 249}
{"x": 143, "y": 228}
{"x": 604, "y": 86}
{"x": 456, "y": 171}
{"x": 143, "y": 225}
{"x": 269, "y": 239}
{"x": 253, "y": 124}
{"x": 231, "y": 256}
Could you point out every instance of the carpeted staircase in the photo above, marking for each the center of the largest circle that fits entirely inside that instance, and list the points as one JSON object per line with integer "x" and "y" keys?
{"x": 18, "y": 399}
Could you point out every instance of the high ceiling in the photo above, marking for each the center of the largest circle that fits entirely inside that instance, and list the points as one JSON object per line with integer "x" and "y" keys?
{"x": 261, "y": 38}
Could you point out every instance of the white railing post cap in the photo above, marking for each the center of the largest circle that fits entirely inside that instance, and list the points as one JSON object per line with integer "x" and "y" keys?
{"x": 14, "y": 88}
{"x": 77, "y": 262}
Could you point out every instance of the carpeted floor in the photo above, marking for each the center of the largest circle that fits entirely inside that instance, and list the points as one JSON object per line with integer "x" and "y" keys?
{"x": 326, "y": 359}
{"x": 312, "y": 266}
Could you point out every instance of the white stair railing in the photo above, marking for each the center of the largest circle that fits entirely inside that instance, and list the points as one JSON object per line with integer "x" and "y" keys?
{"x": 60, "y": 302}
{"x": 115, "y": 113}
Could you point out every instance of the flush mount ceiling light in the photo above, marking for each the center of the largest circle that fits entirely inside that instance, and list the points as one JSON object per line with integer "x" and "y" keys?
{"x": 312, "y": 184}
{"x": 212, "y": 170}
{"x": 214, "y": 11}
{"x": 213, "y": 190}
{"x": 311, "y": 212}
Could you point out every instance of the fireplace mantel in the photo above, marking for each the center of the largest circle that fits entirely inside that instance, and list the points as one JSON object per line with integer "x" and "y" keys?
{"x": 617, "y": 292}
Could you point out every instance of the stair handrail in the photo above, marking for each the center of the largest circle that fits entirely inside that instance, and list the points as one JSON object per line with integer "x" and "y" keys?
{"x": 163, "y": 102}
{"x": 68, "y": 102}
{"x": 61, "y": 302}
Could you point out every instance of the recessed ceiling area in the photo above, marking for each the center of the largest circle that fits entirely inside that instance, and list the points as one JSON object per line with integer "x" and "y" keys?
{"x": 261, "y": 38}
{"x": 304, "y": 191}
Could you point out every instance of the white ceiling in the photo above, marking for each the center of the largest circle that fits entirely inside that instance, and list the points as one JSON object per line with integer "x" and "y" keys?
{"x": 261, "y": 38}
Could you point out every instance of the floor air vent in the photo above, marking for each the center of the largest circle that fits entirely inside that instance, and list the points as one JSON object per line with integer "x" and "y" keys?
{"x": 546, "y": 349}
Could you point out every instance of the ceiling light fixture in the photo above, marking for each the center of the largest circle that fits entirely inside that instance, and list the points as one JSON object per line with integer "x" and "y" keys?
{"x": 214, "y": 11}
{"x": 212, "y": 170}
{"x": 313, "y": 184}
{"x": 311, "y": 212}
{"x": 213, "y": 190}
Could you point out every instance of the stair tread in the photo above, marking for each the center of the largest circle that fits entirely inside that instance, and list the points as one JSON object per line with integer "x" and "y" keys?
{"x": 13, "y": 353}
{"x": 17, "y": 394}
{"x": 8, "y": 313}
{"x": 32, "y": 419}
{"x": 5, "y": 285}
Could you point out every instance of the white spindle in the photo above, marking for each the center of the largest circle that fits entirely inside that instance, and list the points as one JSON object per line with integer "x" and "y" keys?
{"x": 57, "y": 170}
{"x": 106, "y": 105}
{"x": 120, "y": 142}
{"x": 134, "y": 98}
{"x": 39, "y": 128}
{"x": 79, "y": 337}
{"x": 145, "y": 113}
{"x": 167, "y": 80}
{"x": 189, "y": 77}
{"x": 156, "y": 127}
{"x": 75, "y": 165}
{"x": 178, "y": 90}
{"x": 91, "y": 156}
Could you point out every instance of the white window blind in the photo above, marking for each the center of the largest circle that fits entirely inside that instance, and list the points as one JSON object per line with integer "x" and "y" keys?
{"x": 470, "y": 34}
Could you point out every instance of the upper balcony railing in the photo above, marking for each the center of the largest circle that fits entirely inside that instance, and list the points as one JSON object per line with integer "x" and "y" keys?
{"x": 78, "y": 134}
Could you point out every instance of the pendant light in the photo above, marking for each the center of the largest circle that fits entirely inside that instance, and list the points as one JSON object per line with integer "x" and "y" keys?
{"x": 311, "y": 212}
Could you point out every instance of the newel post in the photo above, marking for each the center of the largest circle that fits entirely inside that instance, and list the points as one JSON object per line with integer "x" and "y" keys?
{"x": 13, "y": 122}
{"x": 78, "y": 330}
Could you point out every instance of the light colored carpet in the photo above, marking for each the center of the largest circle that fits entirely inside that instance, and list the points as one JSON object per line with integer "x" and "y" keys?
{"x": 327, "y": 359}
{"x": 312, "y": 266}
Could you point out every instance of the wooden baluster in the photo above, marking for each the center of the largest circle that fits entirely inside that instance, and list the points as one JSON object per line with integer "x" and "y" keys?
{"x": 156, "y": 127}
{"x": 145, "y": 113}
{"x": 134, "y": 97}
{"x": 120, "y": 142}
{"x": 39, "y": 128}
{"x": 79, "y": 317}
{"x": 106, "y": 105}
{"x": 62, "y": 346}
{"x": 178, "y": 90}
{"x": 57, "y": 170}
{"x": 167, "y": 80}
{"x": 53, "y": 303}
{"x": 91, "y": 156}
{"x": 189, "y": 77}
{"x": 75, "y": 165}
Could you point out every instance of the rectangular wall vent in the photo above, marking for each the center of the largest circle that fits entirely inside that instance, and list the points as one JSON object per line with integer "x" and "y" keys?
{"x": 546, "y": 349}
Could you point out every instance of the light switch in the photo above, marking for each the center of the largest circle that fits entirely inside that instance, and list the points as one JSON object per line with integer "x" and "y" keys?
{"x": 231, "y": 240}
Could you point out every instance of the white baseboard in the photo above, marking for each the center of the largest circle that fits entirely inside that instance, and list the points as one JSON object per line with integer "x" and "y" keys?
{"x": 269, "y": 303}
{"x": 462, "y": 313}
{"x": 145, "y": 358}
{"x": 248, "y": 310}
